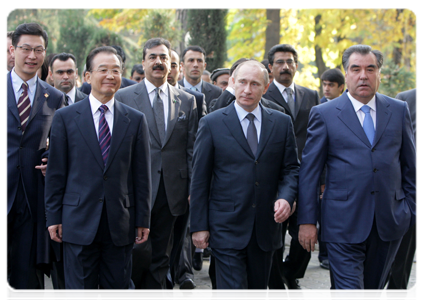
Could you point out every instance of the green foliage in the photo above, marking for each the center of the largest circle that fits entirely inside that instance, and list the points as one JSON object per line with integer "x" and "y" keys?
{"x": 207, "y": 29}
{"x": 395, "y": 79}
{"x": 160, "y": 23}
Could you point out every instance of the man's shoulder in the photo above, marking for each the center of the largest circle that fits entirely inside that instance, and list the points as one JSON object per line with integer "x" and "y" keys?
{"x": 129, "y": 89}
{"x": 130, "y": 111}
{"x": 212, "y": 87}
{"x": 406, "y": 94}
{"x": 305, "y": 89}
{"x": 50, "y": 91}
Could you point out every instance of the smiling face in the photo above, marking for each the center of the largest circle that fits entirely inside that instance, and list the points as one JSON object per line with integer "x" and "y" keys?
{"x": 249, "y": 86}
{"x": 26, "y": 65}
{"x": 363, "y": 76}
{"x": 105, "y": 77}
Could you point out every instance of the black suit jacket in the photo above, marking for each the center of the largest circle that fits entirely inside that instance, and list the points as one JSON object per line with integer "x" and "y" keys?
{"x": 410, "y": 98}
{"x": 199, "y": 98}
{"x": 78, "y": 184}
{"x": 79, "y": 95}
{"x": 305, "y": 99}
{"x": 227, "y": 97}
{"x": 209, "y": 90}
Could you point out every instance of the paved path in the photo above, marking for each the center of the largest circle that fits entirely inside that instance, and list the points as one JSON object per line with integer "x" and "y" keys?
{"x": 315, "y": 283}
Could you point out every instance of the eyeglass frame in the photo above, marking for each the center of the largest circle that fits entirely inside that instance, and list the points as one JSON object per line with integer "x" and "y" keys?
{"x": 30, "y": 49}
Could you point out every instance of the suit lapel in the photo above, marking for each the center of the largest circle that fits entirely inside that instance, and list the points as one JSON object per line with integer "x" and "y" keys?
{"x": 11, "y": 100}
{"x": 142, "y": 102}
{"x": 84, "y": 121}
{"x": 41, "y": 95}
{"x": 267, "y": 124}
{"x": 349, "y": 117}
{"x": 174, "y": 107}
{"x": 383, "y": 115}
{"x": 234, "y": 126}
{"x": 120, "y": 126}
{"x": 276, "y": 95}
{"x": 299, "y": 97}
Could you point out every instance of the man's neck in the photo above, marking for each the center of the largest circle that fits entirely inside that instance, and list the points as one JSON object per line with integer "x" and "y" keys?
{"x": 24, "y": 76}
{"x": 193, "y": 82}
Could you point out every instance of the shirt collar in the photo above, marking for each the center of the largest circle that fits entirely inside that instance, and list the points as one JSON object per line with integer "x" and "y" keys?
{"x": 357, "y": 104}
{"x": 95, "y": 104}
{"x": 151, "y": 87}
{"x": 282, "y": 88}
{"x": 242, "y": 113}
{"x": 189, "y": 85}
{"x": 17, "y": 82}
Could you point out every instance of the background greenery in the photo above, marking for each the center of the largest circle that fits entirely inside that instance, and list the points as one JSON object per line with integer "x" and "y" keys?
{"x": 319, "y": 35}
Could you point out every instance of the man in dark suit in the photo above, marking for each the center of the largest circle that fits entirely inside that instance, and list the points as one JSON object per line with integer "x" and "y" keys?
{"x": 31, "y": 105}
{"x": 64, "y": 73}
{"x": 105, "y": 144}
{"x": 297, "y": 101}
{"x": 333, "y": 82}
{"x": 172, "y": 120}
{"x": 366, "y": 141}
{"x": 194, "y": 63}
{"x": 401, "y": 268}
{"x": 244, "y": 182}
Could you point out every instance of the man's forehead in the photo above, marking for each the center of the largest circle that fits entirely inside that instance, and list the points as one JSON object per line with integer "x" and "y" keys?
{"x": 60, "y": 63}
{"x": 194, "y": 54}
{"x": 158, "y": 50}
{"x": 362, "y": 59}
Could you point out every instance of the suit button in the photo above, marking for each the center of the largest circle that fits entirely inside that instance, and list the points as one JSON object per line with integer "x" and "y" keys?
{"x": 254, "y": 205}
{"x": 20, "y": 147}
{"x": 375, "y": 170}
{"x": 373, "y": 192}
{"x": 256, "y": 162}
{"x": 159, "y": 171}
{"x": 100, "y": 200}
{"x": 18, "y": 167}
{"x": 373, "y": 150}
{"x": 105, "y": 177}
{"x": 257, "y": 184}
{"x": 19, "y": 128}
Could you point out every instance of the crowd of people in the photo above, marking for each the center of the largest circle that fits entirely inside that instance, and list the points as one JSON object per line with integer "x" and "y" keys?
{"x": 118, "y": 183}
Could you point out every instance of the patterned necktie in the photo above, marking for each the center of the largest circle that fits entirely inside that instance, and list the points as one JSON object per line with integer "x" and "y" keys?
{"x": 104, "y": 136}
{"x": 24, "y": 106}
{"x": 252, "y": 134}
{"x": 159, "y": 115}
{"x": 368, "y": 125}
{"x": 291, "y": 102}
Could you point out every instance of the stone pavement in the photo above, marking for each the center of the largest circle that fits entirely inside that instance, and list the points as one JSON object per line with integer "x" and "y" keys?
{"x": 315, "y": 277}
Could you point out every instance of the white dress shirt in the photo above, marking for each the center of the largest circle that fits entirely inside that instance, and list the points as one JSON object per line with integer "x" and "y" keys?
{"x": 71, "y": 95}
{"x": 360, "y": 114}
{"x": 164, "y": 95}
{"x": 17, "y": 86}
{"x": 242, "y": 114}
{"x": 95, "y": 104}
{"x": 284, "y": 93}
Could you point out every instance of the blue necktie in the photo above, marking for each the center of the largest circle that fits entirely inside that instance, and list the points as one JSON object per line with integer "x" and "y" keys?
{"x": 368, "y": 125}
{"x": 252, "y": 134}
{"x": 193, "y": 88}
{"x": 104, "y": 133}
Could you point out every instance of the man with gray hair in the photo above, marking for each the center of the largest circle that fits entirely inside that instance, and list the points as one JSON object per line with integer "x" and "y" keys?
{"x": 245, "y": 175}
{"x": 366, "y": 142}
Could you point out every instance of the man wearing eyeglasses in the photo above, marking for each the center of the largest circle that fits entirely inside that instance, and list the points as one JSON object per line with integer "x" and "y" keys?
{"x": 31, "y": 105}
{"x": 297, "y": 101}
{"x": 64, "y": 73}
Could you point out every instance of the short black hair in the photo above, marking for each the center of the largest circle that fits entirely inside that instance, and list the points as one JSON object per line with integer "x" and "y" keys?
{"x": 193, "y": 48}
{"x": 154, "y": 42}
{"x": 95, "y": 51}
{"x": 265, "y": 63}
{"x": 9, "y": 34}
{"x": 363, "y": 50}
{"x": 236, "y": 64}
{"x": 62, "y": 57}
{"x": 333, "y": 75}
{"x": 29, "y": 29}
{"x": 137, "y": 68}
{"x": 281, "y": 48}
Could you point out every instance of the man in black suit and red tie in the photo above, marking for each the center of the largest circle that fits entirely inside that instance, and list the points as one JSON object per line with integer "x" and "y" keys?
{"x": 31, "y": 104}
{"x": 297, "y": 101}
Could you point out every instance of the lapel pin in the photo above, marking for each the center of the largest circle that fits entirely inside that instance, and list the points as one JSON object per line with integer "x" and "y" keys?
{"x": 174, "y": 101}
{"x": 46, "y": 95}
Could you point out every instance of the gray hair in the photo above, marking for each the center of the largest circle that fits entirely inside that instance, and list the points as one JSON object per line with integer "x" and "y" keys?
{"x": 363, "y": 50}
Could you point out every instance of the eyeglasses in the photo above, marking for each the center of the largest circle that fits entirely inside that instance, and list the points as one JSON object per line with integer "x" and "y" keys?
{"x": 105, "y": 71}
{"x": 289, "y": 62}
{"x": 27, "y": 49}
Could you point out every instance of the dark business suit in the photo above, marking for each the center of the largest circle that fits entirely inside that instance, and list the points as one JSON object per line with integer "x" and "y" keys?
{"x": 401, "y": 268}
{"x": 171, "y": 167}
{"x": 323, "y": 100}
{"x": 211, "y": 91}
{"x": 233, "y": 192}
{"x": 25, "y": 185}
{"x": 369, "y": 199}
{"x": 296, "y": 262}
{"x": 98, "y": 205}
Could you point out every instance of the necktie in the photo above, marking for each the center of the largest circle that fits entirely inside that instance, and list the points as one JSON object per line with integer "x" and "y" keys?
{"x": 104, "y": 136}
{"x": 24, "y": 106}
{"x": 159, "y": 115}
{"x": 368, "y": 125}
{"x": 291, "y": 102}
{"x": 252, "y": 134}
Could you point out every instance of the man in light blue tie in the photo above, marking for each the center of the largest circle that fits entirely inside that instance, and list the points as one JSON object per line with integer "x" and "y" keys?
{"x": 366, "y": 141}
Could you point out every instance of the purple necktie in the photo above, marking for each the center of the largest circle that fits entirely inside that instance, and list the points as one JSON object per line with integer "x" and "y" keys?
{"x": 104, "y": 133}
{"x": 24, "y": 106}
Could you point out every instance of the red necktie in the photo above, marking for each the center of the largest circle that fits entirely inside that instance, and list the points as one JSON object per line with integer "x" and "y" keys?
{"x": 24, "y": 106}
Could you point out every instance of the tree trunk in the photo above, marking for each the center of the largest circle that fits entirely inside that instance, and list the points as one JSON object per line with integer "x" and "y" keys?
{"x": 321, "y": 67}
{"x": 181, "y": 15}
{"x": 272, "y": 30}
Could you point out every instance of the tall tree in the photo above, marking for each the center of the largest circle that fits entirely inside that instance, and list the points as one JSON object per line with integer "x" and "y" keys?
{"x": 207, "y": 28}
{"x": 273, "y": 29}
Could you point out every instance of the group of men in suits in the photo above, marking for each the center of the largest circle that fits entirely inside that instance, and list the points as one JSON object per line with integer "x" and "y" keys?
{"x": 127, "y": 179}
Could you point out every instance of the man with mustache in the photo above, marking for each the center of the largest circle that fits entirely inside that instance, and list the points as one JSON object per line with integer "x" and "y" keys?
{"x": 64, "y": 73}
{"x": 297, "y": 101}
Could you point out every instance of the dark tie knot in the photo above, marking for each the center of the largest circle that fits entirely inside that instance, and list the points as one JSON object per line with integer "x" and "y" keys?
{"x": 24, "y": 86}
{"x": 103, "y": 109}
{"x": 250, "y": 117}
{"x": 365, "y": 109}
